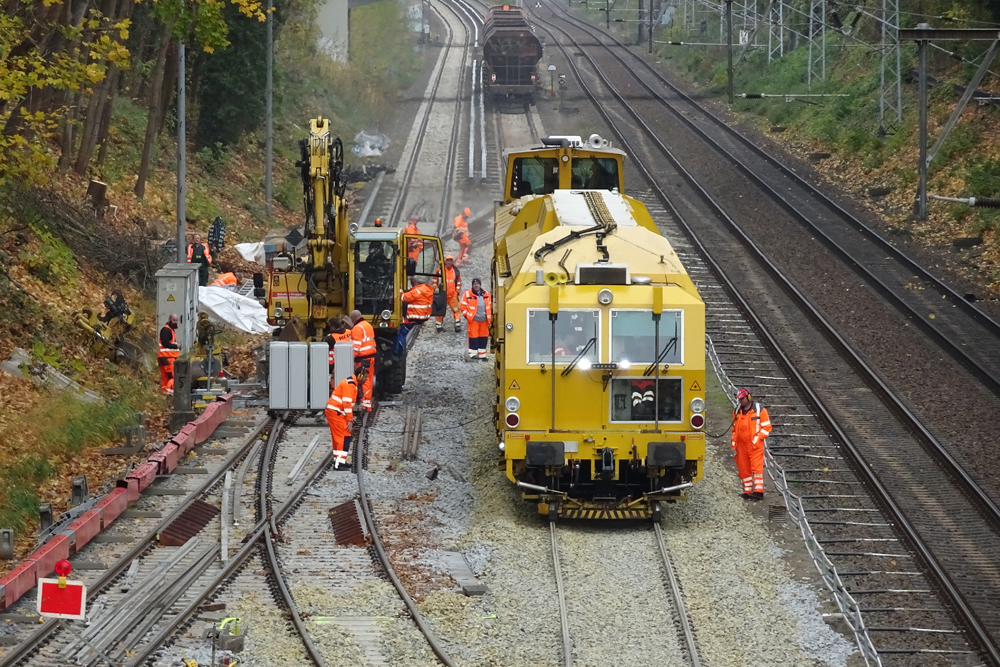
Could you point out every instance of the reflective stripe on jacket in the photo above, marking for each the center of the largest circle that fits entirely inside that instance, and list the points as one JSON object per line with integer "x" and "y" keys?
{"x": 419, "y": 300}
{"x": 168, "y": 352}
{"x": 364, "y": 339}
{"x": 754, "y": 425}
{"x": 342, "y": 399}
{"x": 470, "y": 302}
{"x": 453, "y": 278}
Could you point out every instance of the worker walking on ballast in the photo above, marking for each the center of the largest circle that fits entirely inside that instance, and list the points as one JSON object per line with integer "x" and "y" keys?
{"x": 170, "y": 350}
{"x": 478, "y": 311}
{"x": 751, "y": 426}
{"x": 340, "y": 416}
{"x": 460, "y": 233}
{"x": 453, "y": 285}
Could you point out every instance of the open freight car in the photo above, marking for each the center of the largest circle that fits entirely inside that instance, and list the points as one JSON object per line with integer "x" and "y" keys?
{"x": 510, "y": 54}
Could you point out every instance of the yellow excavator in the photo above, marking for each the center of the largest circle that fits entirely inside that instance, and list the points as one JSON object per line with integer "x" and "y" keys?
{"x": 113, "y": 335}
{"x": 340, "y": 267}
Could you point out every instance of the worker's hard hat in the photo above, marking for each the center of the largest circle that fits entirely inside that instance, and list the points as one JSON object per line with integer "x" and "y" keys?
{"x": 467, "y": 212}
{"x": 741, "y": 394}
{"x": 378, "y": 222}
{"x": 451, "y": 257}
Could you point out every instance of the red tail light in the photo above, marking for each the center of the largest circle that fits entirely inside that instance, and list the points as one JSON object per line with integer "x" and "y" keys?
{"x": 512, "y": 420}
{"x": 697, "y": 421}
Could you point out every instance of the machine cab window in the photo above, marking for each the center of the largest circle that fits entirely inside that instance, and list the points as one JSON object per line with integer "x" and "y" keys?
{"x": 633, "y": 337}
{"x": 534, "y": 176}
{"x": 635, "y": 399}
{"x": 423, "y": 255}
{"x": 374, "y": 276}
{"x": 576, "y": 330}
{"x": 594, "y": 173}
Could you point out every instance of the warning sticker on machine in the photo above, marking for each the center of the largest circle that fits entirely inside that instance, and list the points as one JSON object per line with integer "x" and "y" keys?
{"x": 170, "y": 297}
{"x": 694, "y": 386}
{"x": 514, "y": 385}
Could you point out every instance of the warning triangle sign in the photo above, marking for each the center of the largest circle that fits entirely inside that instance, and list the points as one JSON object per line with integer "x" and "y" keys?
{"x": 170, "y": 297}
{"x": 514, "y": 385}
{"x": 695, "y": 386}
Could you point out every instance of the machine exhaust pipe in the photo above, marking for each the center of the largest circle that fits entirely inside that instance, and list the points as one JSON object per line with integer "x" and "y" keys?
{"x": 542, "y": 489}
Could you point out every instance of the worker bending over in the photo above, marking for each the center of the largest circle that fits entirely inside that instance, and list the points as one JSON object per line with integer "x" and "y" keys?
{"x": 418, "y": 302}
{"x": 461, "y": 234}
{"x": 340, "y": 416}
{"x": 363, "y": 336}
{"x": 198, "y": 253}
{"x": 169, "y": 351}
{"x": 226, "y": 281}
{"x": 453, "y": 285}
{"x": 751, "y": 426}
{"x": 476, "y": 307}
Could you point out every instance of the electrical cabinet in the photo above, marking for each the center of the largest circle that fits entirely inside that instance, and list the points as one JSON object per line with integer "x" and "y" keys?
{"x": 177, "y": 292}
{"x": 299, "y": 375}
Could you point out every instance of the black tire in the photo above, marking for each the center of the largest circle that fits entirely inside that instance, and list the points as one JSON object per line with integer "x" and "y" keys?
{"x": 393, "y": 375}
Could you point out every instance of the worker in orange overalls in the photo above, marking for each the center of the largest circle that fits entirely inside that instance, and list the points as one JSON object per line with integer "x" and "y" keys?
{"x": 413, "y": 246}
{"x": 169, "y": 351}
{"x": 363, "y": 335}
{"x": 453, "y": 285}
{"x": 340, "y": 416}
{"x": 461, "y": 234}
{"x": 227, "y": 280}
{"x": 751, "y": 426}
{"x": 477, "y": 308}
{"x": 337, "y": 332}
{"x": 418, "y": 300}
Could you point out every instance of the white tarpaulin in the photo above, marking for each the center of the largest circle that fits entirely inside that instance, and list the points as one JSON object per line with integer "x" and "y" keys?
{"x": 251, "y": 252}
{"x": 234, "y": 310}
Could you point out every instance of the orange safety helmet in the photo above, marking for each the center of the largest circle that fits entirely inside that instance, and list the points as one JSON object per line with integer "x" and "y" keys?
{"x": 467, "y": 213}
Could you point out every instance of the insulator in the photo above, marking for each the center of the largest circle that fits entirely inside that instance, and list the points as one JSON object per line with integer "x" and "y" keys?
{"x": 753, "y": 96}
{"x": 987, "y": 202}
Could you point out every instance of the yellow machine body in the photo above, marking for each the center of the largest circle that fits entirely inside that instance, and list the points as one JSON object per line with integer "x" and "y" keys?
{"x": 599, "y": 429}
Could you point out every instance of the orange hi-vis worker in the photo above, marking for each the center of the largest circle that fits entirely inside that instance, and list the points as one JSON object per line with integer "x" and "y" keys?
{"x": 751, "y": 426}
{"x": 332, "y": 339}
{"x": 225, "y": 280}
{"x": 198, "y": 253}
{"x": 418, "y": 302}
{"x": 477, "y": 308}
{"x": 339, "y": 415}
{"x": 363, "y": 335}
{"x": 169, "y": 351}
{"x": 453, "y": 285}
{"x": 413, "y": 246}
{"x": 461, "y": 234}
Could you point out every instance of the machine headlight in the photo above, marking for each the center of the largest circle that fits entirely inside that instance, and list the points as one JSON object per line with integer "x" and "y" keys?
{"x": 624, "y": 364}
{"x": 605, "y": 296}
{"x": 502, "y": 445}
{"x": 584, "y": 364}
{"x": 279, "y": 313}
{"x": 386, "y": 314}
{"x": 513, "y": 404}
{"x": 353, "y": 228}
{"x": 697, "y": 405}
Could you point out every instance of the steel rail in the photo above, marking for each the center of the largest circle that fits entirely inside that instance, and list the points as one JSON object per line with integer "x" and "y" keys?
{"x": 449, "y": 179}
{"x": 969, "y": 618}
{"x": 563, "y": 613}
{"x": 261, "y": 530}
{"x": 19, "y": 652}
{"x": 953, "y": 348}
{"x": 380, "y": 551}
{"x": 675, "y": 591}
{"x": 411, "y": 165}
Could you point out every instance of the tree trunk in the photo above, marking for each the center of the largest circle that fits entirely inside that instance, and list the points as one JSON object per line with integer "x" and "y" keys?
{"x": 95, "y": 107}
{"x": 155, "y": 112}
{"x": 102, "y": 133}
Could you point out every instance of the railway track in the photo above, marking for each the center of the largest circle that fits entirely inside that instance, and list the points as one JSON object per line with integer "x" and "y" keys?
{"x": 645, "y": 613}
{"x": 927, "y": 498}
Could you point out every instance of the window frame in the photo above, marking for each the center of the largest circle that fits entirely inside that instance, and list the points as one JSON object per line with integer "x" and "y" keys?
{"x": 611, "y": 333}
{"x": 527, "y": 333}
{"x": 588, "y": 158}
{"x": 679, "y": 379}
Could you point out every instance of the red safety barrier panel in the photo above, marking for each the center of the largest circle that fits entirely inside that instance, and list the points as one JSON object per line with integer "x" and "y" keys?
{"x": 17, "y": 582}
{"x": 206, "y": 423}
{"x": 145, "y": 474}
{"x": 88, "y": 525}
{"x": 171, "y": 455}
{"x": 50, "y": 553}
{"x": 131, "y": 486}
{"x": 185, "y": 438}
{"x": 115, "y": 503}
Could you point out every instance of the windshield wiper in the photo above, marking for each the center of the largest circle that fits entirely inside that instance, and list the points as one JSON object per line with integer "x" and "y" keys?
{"x": 586, "y": 348}
{"x": 667, "y": 349}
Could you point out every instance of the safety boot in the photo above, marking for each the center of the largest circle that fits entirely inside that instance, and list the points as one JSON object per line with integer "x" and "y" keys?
{"x": 757, "y": 495}
{"x": 438, "y": 326}
{"x": 458, "y": 328}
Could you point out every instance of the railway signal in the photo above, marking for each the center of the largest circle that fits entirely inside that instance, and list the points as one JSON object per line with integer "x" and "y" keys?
{"x": 59, "y": 598}
{"x": 552, "y": 76}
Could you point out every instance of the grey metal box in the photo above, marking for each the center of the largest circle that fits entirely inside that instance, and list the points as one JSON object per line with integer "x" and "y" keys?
{"x": 319, "y": 374}
{"x": 298, "y": 376}
{"x": 177, "y": 292}
{"x": 277, "y": 381}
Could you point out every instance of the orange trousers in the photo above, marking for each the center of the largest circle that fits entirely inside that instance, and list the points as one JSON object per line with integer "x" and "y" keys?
{"x": 463, "y": 251}
{"x": 750, "y": 464}
{"x": 365, "y": 397}
{"x": 340, "y": 430}
{"x": 453, "y": 304}
{"x": 166, "y": 374}
{"x": 479, "y": 336}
